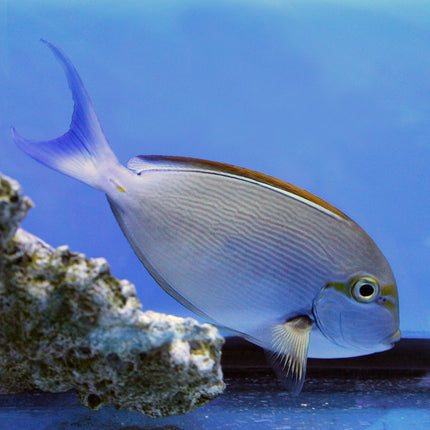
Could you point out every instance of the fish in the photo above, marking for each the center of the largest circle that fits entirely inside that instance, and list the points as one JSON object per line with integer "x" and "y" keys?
{"x": 254, "y": 255}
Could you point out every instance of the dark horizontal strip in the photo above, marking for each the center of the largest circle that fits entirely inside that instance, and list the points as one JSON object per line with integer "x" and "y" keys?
{"x": 408, "y": 355}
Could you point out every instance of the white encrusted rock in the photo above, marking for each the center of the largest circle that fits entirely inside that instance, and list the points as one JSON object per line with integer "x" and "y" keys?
{"x": 13, "y": 207}
{"x": 67, "y": 323}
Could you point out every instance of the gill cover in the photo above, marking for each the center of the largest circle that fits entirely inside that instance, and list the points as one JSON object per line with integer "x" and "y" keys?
{"x": 358, "y": 314}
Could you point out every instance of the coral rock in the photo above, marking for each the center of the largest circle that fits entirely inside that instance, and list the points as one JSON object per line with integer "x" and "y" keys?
{"x": 67, "y": 323}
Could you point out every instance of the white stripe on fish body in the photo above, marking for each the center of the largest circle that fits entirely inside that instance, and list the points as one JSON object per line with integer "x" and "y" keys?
{"x": 142, "y": 163}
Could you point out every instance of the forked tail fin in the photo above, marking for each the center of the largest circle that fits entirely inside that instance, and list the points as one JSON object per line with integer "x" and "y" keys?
{"x": 83, "y": 152}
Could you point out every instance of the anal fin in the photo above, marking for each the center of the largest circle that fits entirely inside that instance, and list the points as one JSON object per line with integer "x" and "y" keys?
{"x": 290, "y": 342}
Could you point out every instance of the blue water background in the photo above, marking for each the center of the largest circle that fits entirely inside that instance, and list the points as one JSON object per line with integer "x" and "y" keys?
{"x": 332, "y": 96}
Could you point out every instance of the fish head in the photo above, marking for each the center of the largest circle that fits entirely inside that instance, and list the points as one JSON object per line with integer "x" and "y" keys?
{"x": 360, "y": 314}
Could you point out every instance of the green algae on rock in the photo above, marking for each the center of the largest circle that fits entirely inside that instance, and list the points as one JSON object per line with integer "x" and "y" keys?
{"x": 68, "y": 324}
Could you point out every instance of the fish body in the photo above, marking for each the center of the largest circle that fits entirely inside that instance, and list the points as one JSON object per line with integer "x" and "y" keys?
{"x": 253, "y": 254}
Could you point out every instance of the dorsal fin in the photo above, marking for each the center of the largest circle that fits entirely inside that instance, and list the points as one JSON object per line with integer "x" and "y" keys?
{"x": 159, "y": 162}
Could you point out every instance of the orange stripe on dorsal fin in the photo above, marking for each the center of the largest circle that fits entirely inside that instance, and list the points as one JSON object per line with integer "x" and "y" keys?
{"x": 151, "y": 162}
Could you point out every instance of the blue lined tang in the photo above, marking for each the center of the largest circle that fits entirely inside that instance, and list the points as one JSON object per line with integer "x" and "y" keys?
{"x": 251, "y": 253}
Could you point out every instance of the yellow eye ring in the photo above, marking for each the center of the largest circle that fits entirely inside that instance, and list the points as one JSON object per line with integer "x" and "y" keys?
{"x": 365, "y": 290}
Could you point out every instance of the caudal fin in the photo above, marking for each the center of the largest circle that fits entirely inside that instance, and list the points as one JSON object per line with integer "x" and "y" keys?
{"x": 83, "y": 151}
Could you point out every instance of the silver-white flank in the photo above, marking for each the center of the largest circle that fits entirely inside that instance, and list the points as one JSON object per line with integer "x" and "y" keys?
{"x": 260, "y": 257}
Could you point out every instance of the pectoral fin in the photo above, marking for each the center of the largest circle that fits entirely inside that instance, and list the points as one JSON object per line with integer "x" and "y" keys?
{"x": 290, "y": 342}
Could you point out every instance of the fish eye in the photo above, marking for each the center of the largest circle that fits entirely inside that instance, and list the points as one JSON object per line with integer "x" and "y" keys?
{"x": 365, "y": 290}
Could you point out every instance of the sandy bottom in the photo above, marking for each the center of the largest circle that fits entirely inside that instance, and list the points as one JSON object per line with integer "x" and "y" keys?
{"x": 249, "y": 402}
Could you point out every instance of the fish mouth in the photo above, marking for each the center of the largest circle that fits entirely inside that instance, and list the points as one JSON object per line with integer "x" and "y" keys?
{"x": 394, "y": 338}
